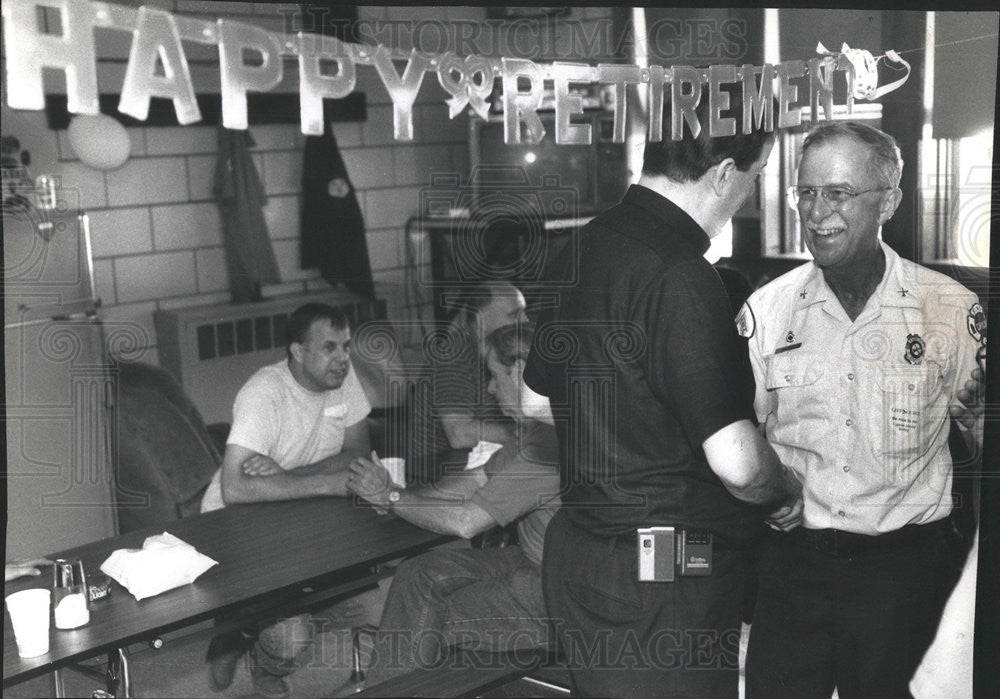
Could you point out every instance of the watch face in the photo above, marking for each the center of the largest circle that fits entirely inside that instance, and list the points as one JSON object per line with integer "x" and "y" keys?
{"x": 393, "y": 496}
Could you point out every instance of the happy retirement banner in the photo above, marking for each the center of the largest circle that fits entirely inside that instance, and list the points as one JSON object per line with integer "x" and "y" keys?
{"x": 770, "y": 98}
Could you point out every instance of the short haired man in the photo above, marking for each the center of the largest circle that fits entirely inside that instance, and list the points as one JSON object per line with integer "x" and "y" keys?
{"x": 858, "y": 357}
{"x": 297, "y": 425}
{"x": 472, "y": 598}
{"x": 642, "y": 355}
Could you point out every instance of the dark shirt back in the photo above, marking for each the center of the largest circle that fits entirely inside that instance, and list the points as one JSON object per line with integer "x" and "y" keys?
{"x": 641, "y": 362}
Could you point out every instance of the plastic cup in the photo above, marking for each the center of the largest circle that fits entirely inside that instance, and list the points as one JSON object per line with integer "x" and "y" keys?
{"x": 29, "y": 615}
{"x": 397, "y": 470}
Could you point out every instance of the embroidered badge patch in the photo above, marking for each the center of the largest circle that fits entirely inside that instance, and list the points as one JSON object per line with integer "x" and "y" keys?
{"x": 977, "y": 323}
{"x": 914, "y": 349}
{"x": 745, "y": 323}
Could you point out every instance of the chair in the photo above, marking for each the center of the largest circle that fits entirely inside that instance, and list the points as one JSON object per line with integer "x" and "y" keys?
{"x": 163, "y": 455}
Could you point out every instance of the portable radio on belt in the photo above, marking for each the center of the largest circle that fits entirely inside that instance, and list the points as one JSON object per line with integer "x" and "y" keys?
{"x": 665, "y": 552}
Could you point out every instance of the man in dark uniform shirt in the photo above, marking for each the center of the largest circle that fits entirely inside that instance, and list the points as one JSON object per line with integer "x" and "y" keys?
{"x": 653, "y": 399}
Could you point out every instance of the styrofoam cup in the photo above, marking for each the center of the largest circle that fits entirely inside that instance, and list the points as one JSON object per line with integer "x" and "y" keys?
{"x": 29, "y": 615}
{"x": 397, "y": 470}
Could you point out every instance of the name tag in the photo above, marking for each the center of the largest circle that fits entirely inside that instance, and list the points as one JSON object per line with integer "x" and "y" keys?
{"x": 335, "y": 411}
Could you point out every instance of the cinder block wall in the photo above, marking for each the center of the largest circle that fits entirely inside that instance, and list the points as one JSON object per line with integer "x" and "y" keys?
{"x": 157, "y": 240}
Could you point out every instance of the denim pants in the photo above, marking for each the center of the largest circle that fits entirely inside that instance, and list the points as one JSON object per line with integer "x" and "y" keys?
{"x": 473, "y": 599}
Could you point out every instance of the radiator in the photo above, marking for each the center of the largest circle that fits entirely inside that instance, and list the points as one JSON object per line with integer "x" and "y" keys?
{"x": 213, "y": 350}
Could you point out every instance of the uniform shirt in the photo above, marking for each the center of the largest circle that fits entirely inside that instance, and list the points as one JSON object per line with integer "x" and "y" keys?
{"x": 523, "y": 485}
{"x": 275, "y": 416}
{"x": 860, "y": 410}
{"x": 641, "y": 364}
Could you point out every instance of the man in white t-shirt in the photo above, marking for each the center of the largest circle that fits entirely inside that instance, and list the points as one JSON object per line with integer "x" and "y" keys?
{"x": 297, "y": 426}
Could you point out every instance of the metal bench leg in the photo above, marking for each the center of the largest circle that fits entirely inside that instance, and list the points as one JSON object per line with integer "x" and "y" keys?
{"x": 58, "y": 688}
{"x": 357, "y": 673}
{"x": 119, "y": 675}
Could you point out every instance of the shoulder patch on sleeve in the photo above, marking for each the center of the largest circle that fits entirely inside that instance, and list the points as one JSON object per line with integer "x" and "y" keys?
{"x": 977, "y": 323}
{"x": 745, "y": 322}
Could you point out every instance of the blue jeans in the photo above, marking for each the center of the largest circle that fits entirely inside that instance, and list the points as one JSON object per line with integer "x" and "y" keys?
{"x": 473, "y": 599}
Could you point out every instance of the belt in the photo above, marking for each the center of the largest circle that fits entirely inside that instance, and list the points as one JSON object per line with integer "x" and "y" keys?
{"x": 839, "y": 542}
{"x": 630, "y": 540}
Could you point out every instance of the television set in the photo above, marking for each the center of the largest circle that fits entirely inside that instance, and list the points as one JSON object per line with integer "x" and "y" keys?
{"x": 571, "y": 181}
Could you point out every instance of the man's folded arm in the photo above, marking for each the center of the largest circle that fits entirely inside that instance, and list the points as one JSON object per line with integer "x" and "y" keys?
{"x": 748, "y": 467}
{"x": 316, "y": 479}
{"x": 464, "y": 430}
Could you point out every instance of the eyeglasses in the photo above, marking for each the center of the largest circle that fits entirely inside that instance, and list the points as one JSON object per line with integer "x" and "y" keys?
{"x": 834, "y": 196}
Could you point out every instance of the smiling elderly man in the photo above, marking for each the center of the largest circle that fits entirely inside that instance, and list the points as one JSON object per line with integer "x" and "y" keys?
{"x": 858, "y": 357}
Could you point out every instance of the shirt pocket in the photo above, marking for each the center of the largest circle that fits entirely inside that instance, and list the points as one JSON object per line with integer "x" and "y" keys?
{"x": 907, "y": 416}
{"x": 332, "y": 426}
{"x": 793, "y": 380}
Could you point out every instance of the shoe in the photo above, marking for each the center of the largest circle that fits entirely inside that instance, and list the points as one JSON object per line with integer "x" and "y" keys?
{"x": 265, "y": 683}
{"x": 223, "y": 654}
{"x": 222, "y": 669}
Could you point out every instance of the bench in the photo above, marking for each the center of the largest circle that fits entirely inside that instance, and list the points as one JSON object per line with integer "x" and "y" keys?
{"x": 464, "y": 674}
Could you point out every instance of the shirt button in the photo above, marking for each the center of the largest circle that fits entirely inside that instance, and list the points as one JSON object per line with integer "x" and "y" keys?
{"x": 850, "y": 377}
{"x": 788, "y": 378}
{"x": 847, "y": 469}
{"x": 849, "y": 422}
{"x": 911, "y": 386}
{"x": 842, "y": 513}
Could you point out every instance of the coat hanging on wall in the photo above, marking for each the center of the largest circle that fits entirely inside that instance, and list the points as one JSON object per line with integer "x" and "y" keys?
{"x": 333, "y": 229}
{"x": 240, "y": 194}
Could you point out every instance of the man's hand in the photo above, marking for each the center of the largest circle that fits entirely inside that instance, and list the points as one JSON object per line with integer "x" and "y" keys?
{"x": 789, "y": 514}
{"x": 786, "y": 517}
{"x": 260, "y": 465}
{"x": 972, "y": 399}
{"x": 347, "y": 614}
{"x": 18, "y": 569}
{"x": 369, "y": 480}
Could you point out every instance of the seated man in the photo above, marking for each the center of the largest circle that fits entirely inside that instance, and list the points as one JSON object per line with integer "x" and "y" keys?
{"x": 297, "y": 425}
{"x": 457, "y": 412}
{"x": 488, "y": 599}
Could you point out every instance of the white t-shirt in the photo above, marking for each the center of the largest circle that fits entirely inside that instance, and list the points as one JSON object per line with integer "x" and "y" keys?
{"x": 275, "y": 416}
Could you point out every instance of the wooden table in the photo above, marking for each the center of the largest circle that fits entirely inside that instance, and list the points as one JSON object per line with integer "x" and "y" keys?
{"x": 272, "y": 556}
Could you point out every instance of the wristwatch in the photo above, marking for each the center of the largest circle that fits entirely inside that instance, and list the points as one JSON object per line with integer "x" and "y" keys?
{"x": 393, "y": 496}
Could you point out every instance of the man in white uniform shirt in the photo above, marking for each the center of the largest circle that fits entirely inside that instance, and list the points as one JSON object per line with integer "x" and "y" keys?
{"x": 297, "y": 425}
{"x": 857, "y": 358}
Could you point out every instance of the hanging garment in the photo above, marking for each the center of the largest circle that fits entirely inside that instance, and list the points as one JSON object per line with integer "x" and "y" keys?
{"x": 333, "y": 230}
{"x": 249, "y": 256}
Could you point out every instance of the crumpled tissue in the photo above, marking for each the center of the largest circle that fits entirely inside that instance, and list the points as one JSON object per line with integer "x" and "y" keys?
{"x": 163, "y": 563}
{"x": 481, "y": 453}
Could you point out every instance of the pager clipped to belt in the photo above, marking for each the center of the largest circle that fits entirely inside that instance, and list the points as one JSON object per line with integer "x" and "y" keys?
{"x": 665, "y": 552}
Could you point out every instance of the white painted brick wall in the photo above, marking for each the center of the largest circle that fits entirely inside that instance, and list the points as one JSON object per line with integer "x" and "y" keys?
{"x": 157, "y": 234}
